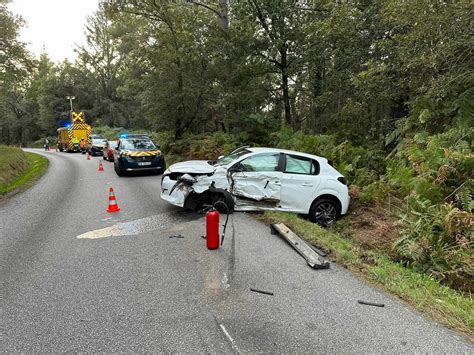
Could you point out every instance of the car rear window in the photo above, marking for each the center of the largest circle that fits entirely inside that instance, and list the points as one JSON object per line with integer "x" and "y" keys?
{"x": 301, "y": 165}
{"x": 98, "y": 141}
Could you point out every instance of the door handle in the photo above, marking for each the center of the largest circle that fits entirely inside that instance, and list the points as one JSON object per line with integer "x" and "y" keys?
{"x": 277, "y": 183}
{"x": 308, "y": 184}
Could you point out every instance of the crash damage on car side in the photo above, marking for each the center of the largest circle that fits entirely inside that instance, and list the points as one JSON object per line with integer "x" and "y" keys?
{"x": 193, "y": 190}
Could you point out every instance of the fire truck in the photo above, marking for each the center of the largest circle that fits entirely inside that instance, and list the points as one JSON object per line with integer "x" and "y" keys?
{"x": 69, "y": 137}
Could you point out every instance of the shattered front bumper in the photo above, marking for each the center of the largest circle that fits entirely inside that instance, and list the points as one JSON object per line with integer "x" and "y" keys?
{"x": 173, "y": 192}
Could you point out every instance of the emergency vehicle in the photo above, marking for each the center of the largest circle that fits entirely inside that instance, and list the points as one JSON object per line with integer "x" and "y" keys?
{"x": 69, "y": 137}
{"x": 137, "y": 152}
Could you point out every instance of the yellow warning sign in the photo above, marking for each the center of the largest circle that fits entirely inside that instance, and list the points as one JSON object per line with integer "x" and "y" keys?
{"x": 78, "y": 117}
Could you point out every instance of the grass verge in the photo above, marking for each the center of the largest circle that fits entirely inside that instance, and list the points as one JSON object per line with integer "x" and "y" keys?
{"x": 443, "y": 304}
{"x": 19, "y": 169}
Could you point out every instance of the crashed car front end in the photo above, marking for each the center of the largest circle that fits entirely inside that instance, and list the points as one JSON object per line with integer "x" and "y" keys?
{"x": 174, "y": 191}
{"x": 180, "y": 182}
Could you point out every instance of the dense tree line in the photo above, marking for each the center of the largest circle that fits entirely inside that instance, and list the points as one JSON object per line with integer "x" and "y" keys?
{"x": 366, "y": 70}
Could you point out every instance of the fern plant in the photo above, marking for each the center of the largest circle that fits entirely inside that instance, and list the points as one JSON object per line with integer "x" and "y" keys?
{"x": 433, "y": 240}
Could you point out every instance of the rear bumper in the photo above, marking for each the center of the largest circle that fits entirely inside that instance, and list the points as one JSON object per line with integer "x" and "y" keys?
{"x": 96, "y": 150}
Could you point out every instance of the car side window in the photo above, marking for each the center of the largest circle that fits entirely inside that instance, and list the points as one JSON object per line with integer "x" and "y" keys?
{"x": 261, "y": 162}
{"x": 301, "y": 165}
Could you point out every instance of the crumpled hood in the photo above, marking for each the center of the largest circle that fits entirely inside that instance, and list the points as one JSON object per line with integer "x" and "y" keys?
{"x": 192, "y": 167}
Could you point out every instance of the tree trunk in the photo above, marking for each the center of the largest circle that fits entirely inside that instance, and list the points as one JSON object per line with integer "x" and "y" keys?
{"x": 286, "y": 98}
{"x": 224, "y": 17}
{"x": 284, "y": 84}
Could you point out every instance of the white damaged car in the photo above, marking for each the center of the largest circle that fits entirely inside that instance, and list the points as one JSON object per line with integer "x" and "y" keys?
{"x": 254, "y": 179}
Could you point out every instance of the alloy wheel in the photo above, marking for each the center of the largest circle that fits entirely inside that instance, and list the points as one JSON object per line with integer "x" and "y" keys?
{"x": 325, "y": 214}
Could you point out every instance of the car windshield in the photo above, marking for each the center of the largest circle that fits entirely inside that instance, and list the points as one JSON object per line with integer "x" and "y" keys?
{"x": 98, "y": 141}
{"x": 138, "y": 144}
{"x": 231, "y": 157}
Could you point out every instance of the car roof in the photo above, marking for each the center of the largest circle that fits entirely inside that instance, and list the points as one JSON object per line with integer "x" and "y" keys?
{"x": 135, "y": 136}
{"x": 286, "y": 151}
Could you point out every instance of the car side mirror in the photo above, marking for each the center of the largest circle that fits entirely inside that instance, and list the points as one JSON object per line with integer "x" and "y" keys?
{"x": 158, "y": 146}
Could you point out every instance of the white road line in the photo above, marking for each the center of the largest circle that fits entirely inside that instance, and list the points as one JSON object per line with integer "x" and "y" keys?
{"x": 232, "y": 341}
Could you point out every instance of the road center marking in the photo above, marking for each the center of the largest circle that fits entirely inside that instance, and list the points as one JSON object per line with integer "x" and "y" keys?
{"x": 138, "y": 226}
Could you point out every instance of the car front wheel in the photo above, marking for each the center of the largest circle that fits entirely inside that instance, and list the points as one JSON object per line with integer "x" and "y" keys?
{"x": 324, "y": 212}
{"x": 118, "y": 169}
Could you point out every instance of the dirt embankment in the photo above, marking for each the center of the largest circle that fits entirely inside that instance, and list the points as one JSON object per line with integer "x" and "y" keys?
{"x": 13, "y": 164}
{"x": 19, "y": 170}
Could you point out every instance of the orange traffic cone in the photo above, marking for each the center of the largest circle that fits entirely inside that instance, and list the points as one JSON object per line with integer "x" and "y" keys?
{"x": 113, "y": 207}
{"x": 101, "y": 167}
{"x": 88, "y": 156}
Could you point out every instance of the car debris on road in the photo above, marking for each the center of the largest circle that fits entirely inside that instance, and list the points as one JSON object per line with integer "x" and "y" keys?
{"x": 260, "y": 291}
{"x": 311, "y": 257}
{"x": 371, "y": 303}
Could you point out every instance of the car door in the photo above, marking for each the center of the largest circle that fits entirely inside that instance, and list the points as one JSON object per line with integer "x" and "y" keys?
{"x": 258, "y": 178}
{"x": 299, "y": 183}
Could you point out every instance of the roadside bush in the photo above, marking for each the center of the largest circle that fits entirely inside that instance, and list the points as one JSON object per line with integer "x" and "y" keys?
{"x": 433, "y": 166}
{"x": 375, "y": 191}
{"x": 211, "y": 146}
{"x": 110, "y": 133}
{"x": 437, "y": 239}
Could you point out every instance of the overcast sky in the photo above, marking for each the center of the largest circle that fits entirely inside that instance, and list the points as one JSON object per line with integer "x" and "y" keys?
{"x": 55, "y": 24}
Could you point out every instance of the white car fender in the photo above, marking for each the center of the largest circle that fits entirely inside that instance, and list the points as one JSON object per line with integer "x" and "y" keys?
{"x": 336, "y": 189}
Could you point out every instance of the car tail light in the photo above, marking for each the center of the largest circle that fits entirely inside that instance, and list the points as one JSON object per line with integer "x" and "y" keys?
{"x": 342, "y": 180}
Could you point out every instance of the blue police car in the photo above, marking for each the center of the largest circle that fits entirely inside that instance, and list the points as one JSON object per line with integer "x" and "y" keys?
{"x": 137, "y": 152}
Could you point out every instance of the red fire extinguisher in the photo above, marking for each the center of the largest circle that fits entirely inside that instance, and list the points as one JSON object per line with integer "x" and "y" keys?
{"x": 212, "y": 229}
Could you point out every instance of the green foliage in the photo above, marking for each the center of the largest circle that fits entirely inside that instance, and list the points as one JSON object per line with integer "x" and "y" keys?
{"x": 437, "y": 239}
{"x": 375, "y": 191}
{"x": 19, "y": 168}
{"x": 13, "y": 163}
{"x": 433, "y": 166}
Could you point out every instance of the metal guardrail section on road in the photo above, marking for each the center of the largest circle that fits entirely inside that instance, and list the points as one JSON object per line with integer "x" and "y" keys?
{"x": 311, "y": 257}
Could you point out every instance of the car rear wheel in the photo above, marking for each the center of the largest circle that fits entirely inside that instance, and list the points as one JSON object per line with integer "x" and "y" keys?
{"x": 324, "y": 212}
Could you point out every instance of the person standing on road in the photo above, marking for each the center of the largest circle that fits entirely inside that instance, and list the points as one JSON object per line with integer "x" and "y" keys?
{"x": 46, "y": 144}
{"x": 82, "y": 145}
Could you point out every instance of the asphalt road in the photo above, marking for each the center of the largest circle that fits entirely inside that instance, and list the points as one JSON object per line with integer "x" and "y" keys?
{"x": 77, "y": 279}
